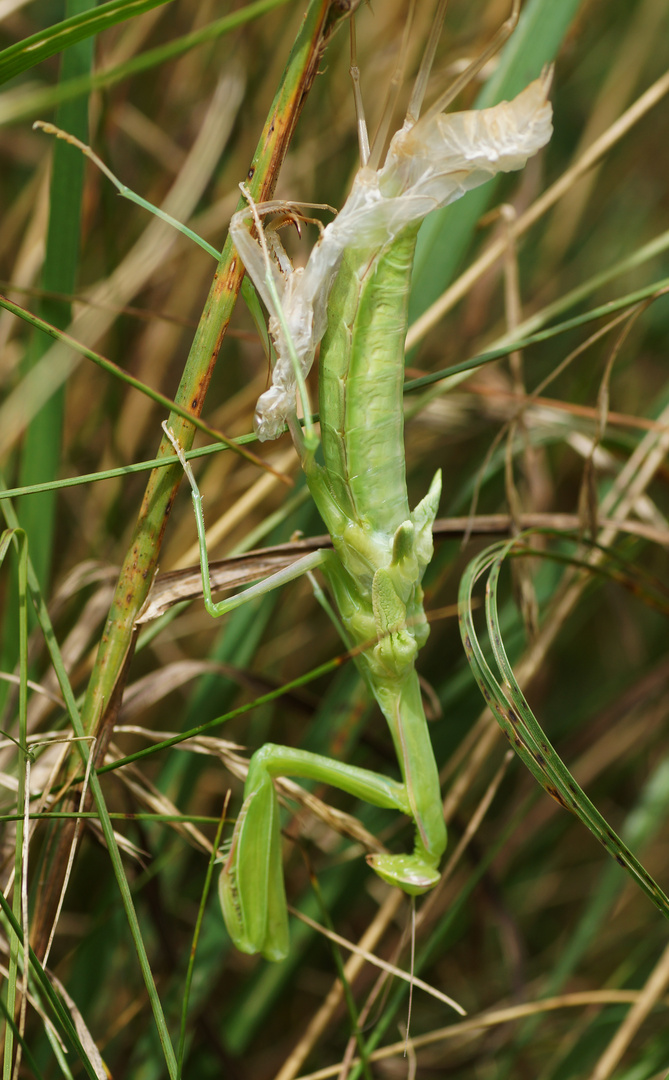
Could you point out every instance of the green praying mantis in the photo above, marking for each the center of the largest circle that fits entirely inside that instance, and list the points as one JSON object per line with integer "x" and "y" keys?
{"x": 352, "y": 299}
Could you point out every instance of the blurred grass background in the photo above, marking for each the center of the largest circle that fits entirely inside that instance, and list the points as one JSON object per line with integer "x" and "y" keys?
{"x": 533, "y": 908}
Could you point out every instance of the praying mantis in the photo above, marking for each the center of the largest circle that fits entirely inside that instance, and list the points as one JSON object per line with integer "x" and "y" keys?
{"x": 352, "y": 299}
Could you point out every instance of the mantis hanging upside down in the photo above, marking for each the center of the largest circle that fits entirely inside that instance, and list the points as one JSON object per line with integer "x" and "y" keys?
{"x": 352, "y": 298}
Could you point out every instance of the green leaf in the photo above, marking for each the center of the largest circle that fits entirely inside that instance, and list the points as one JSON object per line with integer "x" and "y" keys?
{"x": 32, "y": 50}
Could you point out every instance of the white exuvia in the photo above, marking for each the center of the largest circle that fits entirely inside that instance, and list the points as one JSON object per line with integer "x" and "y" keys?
{"x": 429, "y": 165}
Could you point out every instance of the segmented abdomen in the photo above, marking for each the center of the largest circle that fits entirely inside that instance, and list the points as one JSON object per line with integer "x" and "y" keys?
{"x": 360, "y": 377}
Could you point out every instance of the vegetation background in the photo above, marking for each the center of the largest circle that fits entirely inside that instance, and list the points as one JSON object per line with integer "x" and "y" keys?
{"x": 559, "y": 960}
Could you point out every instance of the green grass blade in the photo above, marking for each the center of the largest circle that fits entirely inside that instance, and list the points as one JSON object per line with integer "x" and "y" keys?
{"x": 644, "y": 821}
{"x": 42, "y": 443}
{"x": 78, "y": 26}
{"x": 196, "y": 937}
{"x": 111, "y": 368}
{"x": 105, "y": 821}
{"x": 123, "y": 470}
{"x": 32, "y": 102}
{"x": 40, "y": 452}
{"x": 600, "y": 312}
{"x": 58, "y": 1008}
{"x": 209, "y": 725}
{"x": 25, "y": 1049}
{"x": 18, "y": 536}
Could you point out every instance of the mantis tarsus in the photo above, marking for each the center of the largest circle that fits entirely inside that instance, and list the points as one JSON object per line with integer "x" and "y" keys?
{"x": 352, "y": 297}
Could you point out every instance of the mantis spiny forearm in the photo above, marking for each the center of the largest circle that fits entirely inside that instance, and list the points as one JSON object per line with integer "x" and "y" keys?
{"x": 352, "y": 297}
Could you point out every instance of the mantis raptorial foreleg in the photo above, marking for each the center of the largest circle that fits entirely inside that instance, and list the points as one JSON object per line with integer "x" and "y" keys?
{"x": 352, "y": 298}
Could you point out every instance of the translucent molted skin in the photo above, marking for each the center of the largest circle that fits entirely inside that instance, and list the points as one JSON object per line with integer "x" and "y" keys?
{"x": 428, "y": 165}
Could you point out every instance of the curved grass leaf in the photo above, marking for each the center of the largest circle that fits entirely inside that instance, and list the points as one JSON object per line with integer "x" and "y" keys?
{"x": 516, "y": 719}
{"x": 32, "y": 50}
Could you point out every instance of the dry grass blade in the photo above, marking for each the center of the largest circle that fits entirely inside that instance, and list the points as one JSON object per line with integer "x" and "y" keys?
{"x": 646, "y": 1001}
{"x": 495, "y": 1018}
{"x": 375, "y": 961}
